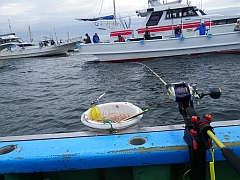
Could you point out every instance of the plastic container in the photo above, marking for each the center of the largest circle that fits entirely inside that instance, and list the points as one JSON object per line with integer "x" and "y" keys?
{"x": 109, "y": 108}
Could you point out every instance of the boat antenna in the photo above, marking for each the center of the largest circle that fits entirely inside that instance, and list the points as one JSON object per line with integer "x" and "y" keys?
{"x": 55, "y": 35}
{"x": 30, "y": 34}
{"x": 68, "y": 36}
{"x": 9, "y": 24}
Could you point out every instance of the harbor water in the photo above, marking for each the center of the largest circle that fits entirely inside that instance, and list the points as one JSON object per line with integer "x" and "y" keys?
{"x": 49, "y": 95}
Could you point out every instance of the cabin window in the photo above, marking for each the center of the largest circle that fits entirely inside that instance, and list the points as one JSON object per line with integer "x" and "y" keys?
{"x": 154, "y": 18}
{"x": 230, "y": 21}
{"x": 178, "y": 13}
{"x": 225, "y": 21}
{"x": 169, "y": 14}
{"x": 220, "y": 22}
{"x": 189, "y": 12}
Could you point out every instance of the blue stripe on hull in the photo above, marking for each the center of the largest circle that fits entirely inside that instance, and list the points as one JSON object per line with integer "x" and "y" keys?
{"x": 165, "y": 147}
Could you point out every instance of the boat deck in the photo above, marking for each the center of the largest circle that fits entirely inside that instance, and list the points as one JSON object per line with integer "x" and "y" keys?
{"x": 161, "y": 148}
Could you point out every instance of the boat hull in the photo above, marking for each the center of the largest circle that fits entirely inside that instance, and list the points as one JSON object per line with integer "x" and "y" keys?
{"x": 159, "y": 151}
{"x": 145, "y": 50}
{"x": 35, "y": 51}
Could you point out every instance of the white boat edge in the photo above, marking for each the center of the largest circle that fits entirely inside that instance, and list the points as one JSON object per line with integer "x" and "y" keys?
{"x": 124, "y": 131}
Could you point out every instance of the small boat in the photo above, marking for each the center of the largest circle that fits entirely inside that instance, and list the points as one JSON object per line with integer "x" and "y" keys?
{"x": 22, "y": 49}
{"x": 161, "y": 20}
{"x": 46, "y": 41}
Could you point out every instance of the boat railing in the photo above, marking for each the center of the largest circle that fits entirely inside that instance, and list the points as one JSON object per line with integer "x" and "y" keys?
{"x": 107, "y": 25}
{"x": 202, "y": 19}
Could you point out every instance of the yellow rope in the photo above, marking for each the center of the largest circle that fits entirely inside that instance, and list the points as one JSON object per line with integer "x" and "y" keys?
{"x": 211, "y": 165}
{"x": 185, "y": 174}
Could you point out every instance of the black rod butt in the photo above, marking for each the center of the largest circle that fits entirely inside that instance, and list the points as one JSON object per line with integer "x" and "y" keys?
{"x": 232, "y": 158}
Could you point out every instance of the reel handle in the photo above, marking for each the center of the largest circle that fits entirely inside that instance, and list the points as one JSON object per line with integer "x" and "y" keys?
{"x": 214, "y": 93}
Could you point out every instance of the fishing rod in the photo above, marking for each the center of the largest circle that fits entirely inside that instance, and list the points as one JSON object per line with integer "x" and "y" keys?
{"x": 198, "y": 134}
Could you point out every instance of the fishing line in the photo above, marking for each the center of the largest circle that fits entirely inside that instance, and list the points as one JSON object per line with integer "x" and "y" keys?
{"x": 101, "y": 7}
{"x": 164, "y": 83}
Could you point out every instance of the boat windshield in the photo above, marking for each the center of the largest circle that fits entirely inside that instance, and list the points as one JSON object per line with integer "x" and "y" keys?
{"x": 18, "y": 40}
{"x": 154, "y": 18}
{"x": 202, "y": 13}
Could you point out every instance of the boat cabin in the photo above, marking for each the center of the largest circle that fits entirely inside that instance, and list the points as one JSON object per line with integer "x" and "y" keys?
{"x": 162, "y": 19}
{"x": 12, "y": 38}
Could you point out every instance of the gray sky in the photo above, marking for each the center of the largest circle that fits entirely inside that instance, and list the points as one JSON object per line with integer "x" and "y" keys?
{"x": 45, "y": 16}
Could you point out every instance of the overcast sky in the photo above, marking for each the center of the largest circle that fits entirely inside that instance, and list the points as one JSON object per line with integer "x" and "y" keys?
{"x": 44, "y": 16}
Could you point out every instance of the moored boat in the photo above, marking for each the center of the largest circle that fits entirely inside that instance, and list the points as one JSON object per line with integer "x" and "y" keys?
{"x": 22, "y": 49}
{"x": 161, "y": 20}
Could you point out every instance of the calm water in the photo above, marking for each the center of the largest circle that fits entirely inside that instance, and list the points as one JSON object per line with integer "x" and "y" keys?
{"x": 49, "y": 95}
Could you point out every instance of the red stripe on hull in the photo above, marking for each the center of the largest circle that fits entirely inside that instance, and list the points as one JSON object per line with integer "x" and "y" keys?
{"x": 170, "y": 27}
{"x": 122, "y": 33}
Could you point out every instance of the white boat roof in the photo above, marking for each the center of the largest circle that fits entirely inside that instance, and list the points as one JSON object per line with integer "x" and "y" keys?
{"x": 162, "y": 7}
{"x": 9, "y": 36}
{"x": 179, "y": 5}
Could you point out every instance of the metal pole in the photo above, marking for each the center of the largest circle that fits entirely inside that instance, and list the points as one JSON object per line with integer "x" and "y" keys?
{"x": 114, "y": 9}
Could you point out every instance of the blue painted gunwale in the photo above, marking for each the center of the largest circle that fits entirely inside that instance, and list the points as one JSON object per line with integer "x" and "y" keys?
{"x": 164, "y": 145}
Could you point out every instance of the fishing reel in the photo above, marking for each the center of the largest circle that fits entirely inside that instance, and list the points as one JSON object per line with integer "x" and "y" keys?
{"x": 196, "y": 127}
{"x": 181, "y": 90}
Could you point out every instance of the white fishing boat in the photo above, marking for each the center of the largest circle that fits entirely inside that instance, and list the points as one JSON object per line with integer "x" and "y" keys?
{"x": 22, "y": 49}
{"x": 161, "y": 20}
{"x": 45, "y": 40}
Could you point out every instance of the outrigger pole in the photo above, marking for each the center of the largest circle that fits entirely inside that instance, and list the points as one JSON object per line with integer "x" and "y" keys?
{"x": 115, "y": 17}
{"x": 198, "y": 134}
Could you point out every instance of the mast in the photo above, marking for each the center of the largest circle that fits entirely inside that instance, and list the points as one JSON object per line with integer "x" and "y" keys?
{"x": 55, "y": 36}
{"x": 9, "y": 24}
{"x": 114, "y": 10}
{"x": 30, "y": 34}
